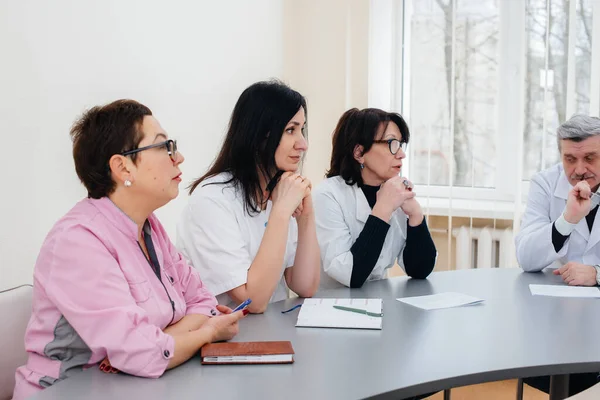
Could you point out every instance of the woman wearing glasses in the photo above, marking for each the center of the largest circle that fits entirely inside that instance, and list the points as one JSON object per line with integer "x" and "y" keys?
{"x": 108, "y": 283}
{"x": 238, "y": 227}
{"x": 366, "y": 212}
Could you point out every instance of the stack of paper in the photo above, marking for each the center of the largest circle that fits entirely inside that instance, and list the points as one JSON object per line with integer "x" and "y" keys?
{"x": 564, "y": 291}
{"x": 320, "y": 313}
{"x": 441, "y": 300}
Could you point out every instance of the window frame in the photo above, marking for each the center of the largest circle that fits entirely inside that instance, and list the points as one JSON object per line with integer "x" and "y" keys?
{"x": 389, "y": 88}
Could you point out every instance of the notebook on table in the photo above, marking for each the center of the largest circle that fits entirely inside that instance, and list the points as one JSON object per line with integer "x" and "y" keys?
{"x": 247, "y": 353}
{"x": 320, "y": 313}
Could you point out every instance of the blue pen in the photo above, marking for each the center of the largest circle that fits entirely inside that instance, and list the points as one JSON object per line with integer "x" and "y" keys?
{"x": 292, "y": 309}
{"x": 243, "y": 305}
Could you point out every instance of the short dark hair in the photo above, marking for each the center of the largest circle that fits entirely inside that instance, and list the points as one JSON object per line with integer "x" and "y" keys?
{"x": 100, "y": 133}
{"x": 359, "y": 127}
{"x": 255, "y": 129}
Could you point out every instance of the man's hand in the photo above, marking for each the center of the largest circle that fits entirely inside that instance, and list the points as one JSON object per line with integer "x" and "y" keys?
{"x": 578, "y": 202}
{"x": 576, "y": 274}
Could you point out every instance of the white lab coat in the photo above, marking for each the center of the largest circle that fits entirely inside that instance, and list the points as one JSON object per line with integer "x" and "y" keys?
{"x": 546, "y": 202}
{"x": 220, "y": 239}
{"x": 341, "y": 212}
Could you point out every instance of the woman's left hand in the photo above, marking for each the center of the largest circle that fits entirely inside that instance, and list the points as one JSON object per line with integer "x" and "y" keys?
{"x": 413, "y": 211}
{"x": 306, "y": 206}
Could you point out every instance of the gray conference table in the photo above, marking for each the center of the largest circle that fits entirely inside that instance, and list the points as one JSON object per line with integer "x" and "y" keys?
{"x": 511, "y": 335}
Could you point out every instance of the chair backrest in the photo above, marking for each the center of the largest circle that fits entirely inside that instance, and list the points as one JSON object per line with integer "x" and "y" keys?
{"x": 15, "y": 309}
{"x": 592, "y": 393}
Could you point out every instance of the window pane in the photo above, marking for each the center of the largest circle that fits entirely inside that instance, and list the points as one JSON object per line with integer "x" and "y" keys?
{"x": 545, "y": 89}
{"x": 583, "y": 59}
{"x": 475, "y": 88}
{"x": 429, "y": 119}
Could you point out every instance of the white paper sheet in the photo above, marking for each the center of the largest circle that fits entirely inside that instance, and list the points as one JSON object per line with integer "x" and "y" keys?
{"x": 319, "y": 313}
{"x": 564, "y": 291}
{"x": 441, "y": 300}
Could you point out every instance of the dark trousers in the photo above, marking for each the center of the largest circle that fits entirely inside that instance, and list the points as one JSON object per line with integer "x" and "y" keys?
{"x": 577, "y": 382}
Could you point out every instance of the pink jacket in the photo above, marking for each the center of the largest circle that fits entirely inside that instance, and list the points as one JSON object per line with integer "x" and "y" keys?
{"x": 96, "y": 295}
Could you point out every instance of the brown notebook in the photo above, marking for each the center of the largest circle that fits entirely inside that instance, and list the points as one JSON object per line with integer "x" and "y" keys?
{"x": 248, "y": 353}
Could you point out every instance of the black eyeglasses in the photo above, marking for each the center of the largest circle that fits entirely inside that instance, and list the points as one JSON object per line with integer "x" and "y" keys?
{"x": 170, "y": 145}
{"x": 394, "y": 144}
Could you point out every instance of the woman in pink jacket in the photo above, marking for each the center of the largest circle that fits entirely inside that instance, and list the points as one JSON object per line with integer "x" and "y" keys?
{"x": 108, "y": 283}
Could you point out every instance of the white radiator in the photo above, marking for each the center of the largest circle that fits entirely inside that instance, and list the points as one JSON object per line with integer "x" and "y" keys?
{"x": 484, "y": 248}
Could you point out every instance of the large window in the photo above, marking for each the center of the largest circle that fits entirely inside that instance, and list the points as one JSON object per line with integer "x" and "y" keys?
{"x": 484, "y": 85}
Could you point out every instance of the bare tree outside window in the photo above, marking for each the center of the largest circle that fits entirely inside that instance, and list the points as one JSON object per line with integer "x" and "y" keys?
{"x": 548, "y": 31}
{"x": 465, "y": 83}
{"x": 455, "y": 88}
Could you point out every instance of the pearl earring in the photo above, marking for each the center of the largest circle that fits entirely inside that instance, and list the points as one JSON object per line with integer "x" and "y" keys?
{"x": 127, "y": 183}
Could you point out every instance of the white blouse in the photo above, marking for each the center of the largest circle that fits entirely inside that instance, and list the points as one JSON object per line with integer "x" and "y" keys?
{"x": 220, "y": 239}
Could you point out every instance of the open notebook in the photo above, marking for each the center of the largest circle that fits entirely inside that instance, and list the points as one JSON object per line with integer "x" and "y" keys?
{"x": 320, "y": 313}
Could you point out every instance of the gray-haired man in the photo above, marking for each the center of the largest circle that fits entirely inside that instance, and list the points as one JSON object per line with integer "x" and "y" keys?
{"x": 559, "y": 226}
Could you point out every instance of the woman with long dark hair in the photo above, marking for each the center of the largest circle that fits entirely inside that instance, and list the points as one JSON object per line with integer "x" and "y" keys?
{"x": 249, "y": 227}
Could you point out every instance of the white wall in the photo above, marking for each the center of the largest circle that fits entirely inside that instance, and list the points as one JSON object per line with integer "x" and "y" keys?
{"x": 327, "y": 61}
{"x": 187, "y": 60}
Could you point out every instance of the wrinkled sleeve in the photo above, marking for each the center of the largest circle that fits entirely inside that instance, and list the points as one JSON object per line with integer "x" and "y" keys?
{"x": 87, "y": 286}
{"x": 367, "y": 249}
{"x": 419, "y": 253}
{"x": 533, "y": 243}
{"x": 335, "y": 239}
